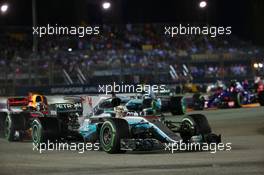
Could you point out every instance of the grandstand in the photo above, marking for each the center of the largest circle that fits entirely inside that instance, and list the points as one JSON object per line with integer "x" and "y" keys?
{"x": 123, "y": 53}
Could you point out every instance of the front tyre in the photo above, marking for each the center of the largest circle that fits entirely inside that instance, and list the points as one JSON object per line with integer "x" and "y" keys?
{"x": 238, "y": 99}
{"x": 111, "y": 133}
{"x": 178, "y": 105}
{"x": 261, "y": 98}
{"x": 193, "y": 125}
{"x": 198, "y": 101}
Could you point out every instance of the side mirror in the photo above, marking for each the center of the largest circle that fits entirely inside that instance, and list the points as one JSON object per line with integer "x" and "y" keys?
{"x": 115, "y": 102}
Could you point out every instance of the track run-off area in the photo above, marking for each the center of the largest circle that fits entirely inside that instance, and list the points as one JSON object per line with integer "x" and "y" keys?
{"x": 243, "y": 127}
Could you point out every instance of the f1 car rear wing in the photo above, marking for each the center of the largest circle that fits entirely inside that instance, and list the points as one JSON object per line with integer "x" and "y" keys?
{"x": 66, "y": 108}
{"x": 17, "y": 102}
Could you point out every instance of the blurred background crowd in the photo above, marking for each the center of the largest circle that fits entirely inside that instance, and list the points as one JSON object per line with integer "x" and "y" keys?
{"x": 128, "y": 53}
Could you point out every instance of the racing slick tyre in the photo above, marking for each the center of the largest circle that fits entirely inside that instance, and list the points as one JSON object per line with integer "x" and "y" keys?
{"x": 193, "y": 125}
{"x": 2, "y": 122}
{"x": 238, "y": 99}
{"x": 111, "y": 133}
{"x": 45, "y": 130}
{"x": 14, "y": 123}
{"x": 261, "y": 98}
{"x": 177, "y": 105}
{"x": 198, "y": 101}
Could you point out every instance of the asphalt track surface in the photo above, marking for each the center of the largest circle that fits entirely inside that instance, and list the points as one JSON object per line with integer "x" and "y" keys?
{"x": 244, "y": 128}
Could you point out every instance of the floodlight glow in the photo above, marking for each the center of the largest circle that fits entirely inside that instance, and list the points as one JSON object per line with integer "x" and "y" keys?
{"x": 202, "y": 4}
{"x": 106, "y": 5}
{"x": 4, "y": 8}
{"x": 256, "y": 65}
{"x": 260, "y": 65}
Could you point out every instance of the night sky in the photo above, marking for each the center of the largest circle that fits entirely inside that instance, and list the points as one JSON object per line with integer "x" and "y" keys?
{"x": 245, "y": 16}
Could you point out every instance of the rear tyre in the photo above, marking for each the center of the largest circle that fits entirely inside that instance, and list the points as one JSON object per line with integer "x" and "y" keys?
{"x": 238, "y": 100}
{"x": 13, "y": 125}
{"x": 2, "y": 124}
{"x": 198, "y": 101}
{"x": 261, "y": 98}
{"x": 9, "y": 128}
{"x": 44, "y": 130}
{"x": 177, "y": 105}
{"x": 111, "y": 133}
{"x": 194, "y": 124}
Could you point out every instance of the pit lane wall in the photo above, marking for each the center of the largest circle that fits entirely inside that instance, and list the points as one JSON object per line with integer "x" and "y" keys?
{"x": 77, "y": 89}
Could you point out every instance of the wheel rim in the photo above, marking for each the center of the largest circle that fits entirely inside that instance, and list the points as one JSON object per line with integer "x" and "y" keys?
{"x": 35, "y": 134}
{"x": 188, "y": 130}
{"x": 187, "y": 127}
{"x": 7, "y": 127}
{"x": 107, "y": 135}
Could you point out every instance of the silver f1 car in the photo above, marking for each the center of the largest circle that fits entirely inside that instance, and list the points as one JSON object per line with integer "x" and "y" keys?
{"x": 116, "y": 132}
